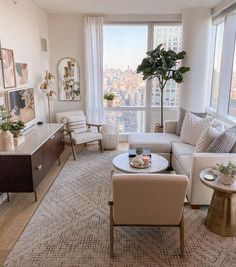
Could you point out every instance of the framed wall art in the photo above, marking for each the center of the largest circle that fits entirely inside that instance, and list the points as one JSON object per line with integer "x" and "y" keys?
{"x": 22, "y": 77}
{"x": 21, "y": 104}
{"x": 8, "y": 68}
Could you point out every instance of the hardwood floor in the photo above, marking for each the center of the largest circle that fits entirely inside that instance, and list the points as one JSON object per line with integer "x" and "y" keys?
{"x": 15, "y": 215}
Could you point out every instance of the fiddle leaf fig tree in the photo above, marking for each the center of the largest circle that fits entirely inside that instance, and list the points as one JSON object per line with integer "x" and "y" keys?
{"x": 163, "y": 65}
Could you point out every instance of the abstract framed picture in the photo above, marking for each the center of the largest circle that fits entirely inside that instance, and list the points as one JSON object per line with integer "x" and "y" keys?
{"x": 8, "y": 68}
{"x": 21, "y": 104}
{"x": 22, "y": 76}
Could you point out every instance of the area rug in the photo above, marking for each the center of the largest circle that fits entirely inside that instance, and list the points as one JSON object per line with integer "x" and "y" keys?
{"x": 71, "y": 228}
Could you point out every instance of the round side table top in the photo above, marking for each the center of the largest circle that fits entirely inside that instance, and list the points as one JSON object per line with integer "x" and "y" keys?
{"x": 121, "y": 162}
{"x": 215, "y": 184}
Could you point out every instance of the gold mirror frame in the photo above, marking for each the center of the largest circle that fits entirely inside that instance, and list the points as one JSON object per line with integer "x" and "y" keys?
{"x": 68, "y": 71}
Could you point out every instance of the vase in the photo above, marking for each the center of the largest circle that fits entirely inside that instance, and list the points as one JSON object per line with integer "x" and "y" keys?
{"x": 110, "y": 103}
{"x": 226, "y": 179}
{"x": 7, "y": 141}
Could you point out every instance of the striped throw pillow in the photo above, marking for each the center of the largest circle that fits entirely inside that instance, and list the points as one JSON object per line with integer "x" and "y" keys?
{"x": 77, "y": 124}
{"x": 224, "y": 143}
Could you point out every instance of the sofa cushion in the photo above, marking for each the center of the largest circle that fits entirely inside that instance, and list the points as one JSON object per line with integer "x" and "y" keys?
{"x": 186, "y": 162}
{"x": 181, "y": 119}
{"x": 156, "y": 142}
{"x": 206, "y": 138}
{"x": 179, "y": 149}
{"x": 223, "y": 143}
{"x": 192, "y": 128}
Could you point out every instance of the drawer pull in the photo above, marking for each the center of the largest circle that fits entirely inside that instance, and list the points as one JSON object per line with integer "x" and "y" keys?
{"x": 52, "y": 137}
{"x": 39, "y": 167}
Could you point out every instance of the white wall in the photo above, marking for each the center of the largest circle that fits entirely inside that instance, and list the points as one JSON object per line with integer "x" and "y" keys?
{"x": 196, "y": 33}
{"x": 66, "y": 34}
{"x": 21, "y": 27}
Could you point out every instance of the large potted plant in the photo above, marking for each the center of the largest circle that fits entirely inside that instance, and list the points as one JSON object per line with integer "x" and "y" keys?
{"x": 163, "y": 65}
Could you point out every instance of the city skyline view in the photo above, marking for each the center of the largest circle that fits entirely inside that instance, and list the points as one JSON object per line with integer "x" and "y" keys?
{"x": 125, "y": 46}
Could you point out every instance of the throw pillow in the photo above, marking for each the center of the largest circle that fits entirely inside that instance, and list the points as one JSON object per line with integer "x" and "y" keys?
{"x": 192, "y": 128}
{"x": 223, "y": 143}
{"x": 77, "y": 124}
{"x": 181, "y": 118}
{"x": 206, "y": 138}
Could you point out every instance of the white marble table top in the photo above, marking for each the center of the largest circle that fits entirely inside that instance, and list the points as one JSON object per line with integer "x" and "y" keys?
{"x": 121, "y": 162}
{"x": 34, "y": 138}
{"x": 215, "y": 184}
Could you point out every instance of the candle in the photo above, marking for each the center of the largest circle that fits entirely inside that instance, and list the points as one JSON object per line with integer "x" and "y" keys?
{"x": 146, "y": 160}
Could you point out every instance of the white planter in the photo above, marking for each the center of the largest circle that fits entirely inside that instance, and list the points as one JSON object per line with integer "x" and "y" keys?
{"x": 110, "y": 103}
{"x": 7, "y": 141}
{"x": 226, "y": 179}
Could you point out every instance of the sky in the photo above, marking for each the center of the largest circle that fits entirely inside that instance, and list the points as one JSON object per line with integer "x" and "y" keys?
{"x": 124, "y": 45}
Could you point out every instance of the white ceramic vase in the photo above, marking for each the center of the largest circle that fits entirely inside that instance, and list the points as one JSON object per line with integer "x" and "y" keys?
{"x": 110, "y": 103}
{"x": 7, "y": 141}
{"x": 226, "y": 179}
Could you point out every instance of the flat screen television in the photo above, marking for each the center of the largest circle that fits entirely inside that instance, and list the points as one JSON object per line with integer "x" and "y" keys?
{"x": 22, "y": 106}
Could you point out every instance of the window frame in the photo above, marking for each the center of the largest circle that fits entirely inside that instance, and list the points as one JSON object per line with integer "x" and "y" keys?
{"x": 147, "y": 108}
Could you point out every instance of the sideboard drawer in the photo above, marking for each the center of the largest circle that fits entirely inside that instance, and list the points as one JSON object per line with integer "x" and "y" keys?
{"x": 38, "y": 167}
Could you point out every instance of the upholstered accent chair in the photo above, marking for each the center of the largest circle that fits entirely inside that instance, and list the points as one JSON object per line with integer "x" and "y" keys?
{"x": 147, "y": 200}
{"x": 77, "y": 130}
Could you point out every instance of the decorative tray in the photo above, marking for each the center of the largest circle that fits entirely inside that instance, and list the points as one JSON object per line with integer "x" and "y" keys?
{"x": 140, "y": 167}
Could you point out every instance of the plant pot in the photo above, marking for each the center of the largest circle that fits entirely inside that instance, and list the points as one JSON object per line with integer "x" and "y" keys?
{"x": 16, "y": 133}
{"x": 7, "y": 141}
{"x": 226, "y": 179}
{"x": 110, "y": 103}
{"x": 159, "y": 128}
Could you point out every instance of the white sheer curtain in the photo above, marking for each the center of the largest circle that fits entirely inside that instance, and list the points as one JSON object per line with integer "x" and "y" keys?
{"x": 94, "y": 69}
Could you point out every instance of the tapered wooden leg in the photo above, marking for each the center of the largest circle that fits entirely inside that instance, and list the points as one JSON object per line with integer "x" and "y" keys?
{"x": 111, "y": 233}
{"x": 100, "y": 145}
{"x": 35, "y": 195}
{"x": 182, "y": 236}
{"x": 72, "y": 146}
{"x": 8, "y": 197}
{"x": 59, "y": 161}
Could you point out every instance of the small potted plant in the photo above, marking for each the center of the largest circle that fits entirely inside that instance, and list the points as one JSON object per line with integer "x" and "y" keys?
{"x": 227, "y": 173}
{"x": 109, "y": 97}
{"x": 139, "y": 151}
{"x": 10, "y": 129}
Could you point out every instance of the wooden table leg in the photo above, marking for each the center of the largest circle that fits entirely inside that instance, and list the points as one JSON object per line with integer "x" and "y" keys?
{"x": 35, "y": 196}
{"x": 8, "y": 197}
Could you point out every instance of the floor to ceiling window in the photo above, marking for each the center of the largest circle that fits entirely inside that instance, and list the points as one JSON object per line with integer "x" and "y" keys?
{"x": 137, "y": 103}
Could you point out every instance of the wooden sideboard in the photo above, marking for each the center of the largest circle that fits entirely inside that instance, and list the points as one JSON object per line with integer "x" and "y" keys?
{"x": 22, "y": 169}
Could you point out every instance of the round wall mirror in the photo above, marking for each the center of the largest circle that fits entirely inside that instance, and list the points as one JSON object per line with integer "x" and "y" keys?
{"x": 68, "y": 79}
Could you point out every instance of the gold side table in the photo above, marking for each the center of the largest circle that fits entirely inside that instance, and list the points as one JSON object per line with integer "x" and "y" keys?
{"x": 221, "y": 216}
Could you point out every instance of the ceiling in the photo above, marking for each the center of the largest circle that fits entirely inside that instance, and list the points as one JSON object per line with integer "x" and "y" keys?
{"x": 122, "y": 6}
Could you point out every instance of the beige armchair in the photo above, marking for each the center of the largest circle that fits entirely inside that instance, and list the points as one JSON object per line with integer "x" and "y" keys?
{"x": 147, "y": 200}
{"x": 77, "y": 130}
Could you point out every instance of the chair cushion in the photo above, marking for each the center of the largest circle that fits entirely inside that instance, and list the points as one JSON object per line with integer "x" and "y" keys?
{"x": 192, "y": 128}
{"x": 77, "y": 124}
{"x": 86, "y": 137}
{"x": 181, "y": 119}
{"x": 156, "y": 142}
{"x": 179, "y": 149}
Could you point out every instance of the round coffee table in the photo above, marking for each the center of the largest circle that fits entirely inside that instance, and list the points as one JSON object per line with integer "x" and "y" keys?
{"x": 121, "y": 163}
{"x": 221, "y": 216}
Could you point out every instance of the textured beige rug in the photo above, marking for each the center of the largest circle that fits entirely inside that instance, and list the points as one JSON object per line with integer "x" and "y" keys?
{"x": 71, "y": 228}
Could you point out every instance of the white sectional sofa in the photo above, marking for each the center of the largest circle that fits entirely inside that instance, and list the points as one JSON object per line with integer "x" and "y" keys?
{"x": 182, "y": 159}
